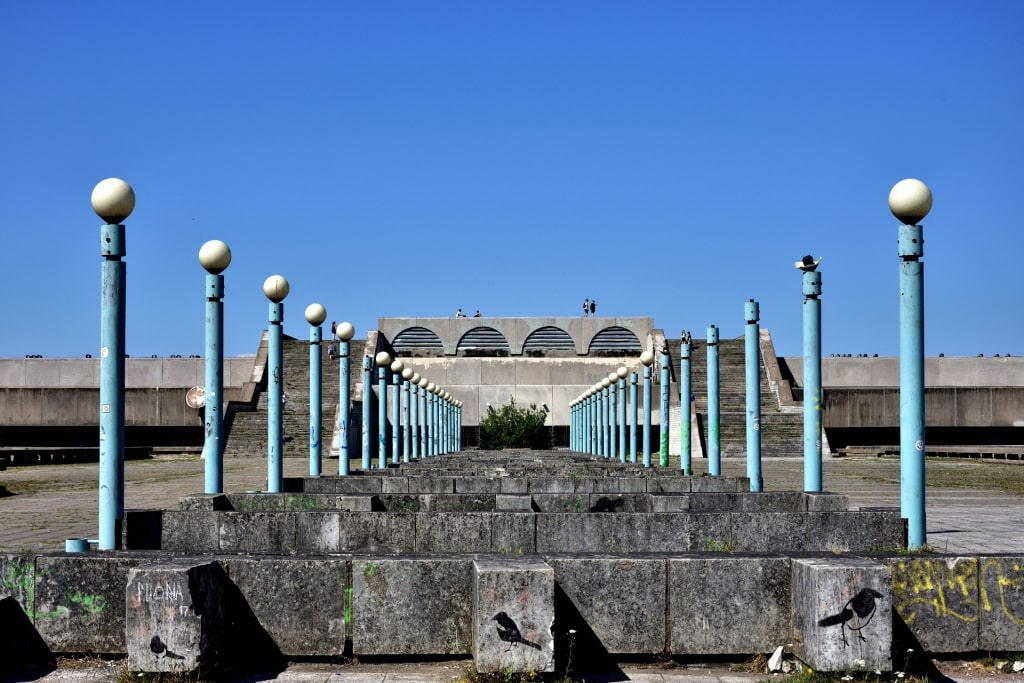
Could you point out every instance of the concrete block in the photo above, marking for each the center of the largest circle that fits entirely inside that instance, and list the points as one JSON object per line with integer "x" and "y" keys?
{"x": 513, "y": 533}
{"x": 851, "y": 532}
{"x": 617, "y": 485}
{"x": 448, "y": 532}
{"x": 206, "y": 501}
{"x": 631, "y": 532}
{"x": 193, "y": 531}
{"x": 462, "y": 503}
{"x": 257, "y": 532}
{"x": 477, "y": 485}
{"x": 18, "y": 579}
{"x": 21, "y": 648}
{"x": 406, "y": 606}
{"x": 719, "y": 484}
{"x": 1002, "y": 586}
{"x": 294, "y": 598}
{"x": 668, "y": 502}
{"x": 667, "y": 485}
{"x": 604, "y": 502}
{"x": 394, "y": 484}
{"x": 79, "y": 601}
{"x": 842, "y": 613}
{"x": 517, "y": 502}
{"x": 317, "y": 533}
{"x": 376, "y": 532}
{"x": 616, "y": 605}
{"x": 572, "y": 485}
{"x": 728, "y": 604}
{"x": 175, "y": 620}
{"x": 825, "y": 502}
{"x": 348, "y": 502}
{"x": 513, "y": 615}
{"x": 561, "y": 502}
{"x": 515, "y": 485}
{"x": 937, "y": 598}
{"x": 431, "y": 485}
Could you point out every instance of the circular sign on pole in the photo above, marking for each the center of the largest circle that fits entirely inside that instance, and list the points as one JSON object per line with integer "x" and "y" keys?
{"x": 195, "y": 397}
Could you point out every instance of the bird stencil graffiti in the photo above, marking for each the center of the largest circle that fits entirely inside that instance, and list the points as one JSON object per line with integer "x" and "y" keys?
{"x": 509, "y": 632}
{"x": 862, "y": 605}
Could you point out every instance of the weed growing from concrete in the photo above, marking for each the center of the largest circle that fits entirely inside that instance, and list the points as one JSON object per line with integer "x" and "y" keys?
{"x": 716, "y": 546}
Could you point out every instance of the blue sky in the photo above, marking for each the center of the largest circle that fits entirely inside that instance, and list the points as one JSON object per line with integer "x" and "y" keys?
{"x": 670, "y": 159}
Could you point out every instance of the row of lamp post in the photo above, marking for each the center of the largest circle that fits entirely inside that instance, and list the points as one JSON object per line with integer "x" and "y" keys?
{"x": 435, "y": 418}
{"x": 426, "y": 420}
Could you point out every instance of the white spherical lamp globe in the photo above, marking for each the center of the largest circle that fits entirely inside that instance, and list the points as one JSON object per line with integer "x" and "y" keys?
{"x": 383, "y": 359}
{"x": 622, "y": 372}
{"x": 346, "y": 331}
{"x": 113, "y": 200}
{"x": 215, "y": 256}
{"x": 646, "y": 357}
{"x": 910, "y": 200}
{"x": 407, "y": 373}
{"x": 316, "y": 314}
{"x": 397, "y": 366}
{"x": 275, "y": 288}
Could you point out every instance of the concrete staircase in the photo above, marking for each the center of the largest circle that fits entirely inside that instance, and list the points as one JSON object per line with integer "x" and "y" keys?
{"x": 246, "y": 430}
{"x": 781, "y": 429}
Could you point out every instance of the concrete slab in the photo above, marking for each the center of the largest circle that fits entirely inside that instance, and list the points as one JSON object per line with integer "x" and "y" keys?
{"x": 1002, "y": 592}
{"x": 842, "y": 613}
{"x": 513, "y": 615}
{"x": 937, "y": 598}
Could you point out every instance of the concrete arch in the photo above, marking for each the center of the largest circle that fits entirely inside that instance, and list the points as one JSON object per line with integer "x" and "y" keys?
{"x": 483, "y": 340}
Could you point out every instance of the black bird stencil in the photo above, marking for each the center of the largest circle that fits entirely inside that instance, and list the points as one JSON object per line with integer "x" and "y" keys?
{"x": 509, "y": 632}
{"x": 158, "y": 648}
{"x": 862, "y": 605}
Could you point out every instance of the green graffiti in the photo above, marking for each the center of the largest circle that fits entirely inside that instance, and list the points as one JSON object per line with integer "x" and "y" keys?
{"x": 91, "y": 603}
{"x": 348, "y": 612}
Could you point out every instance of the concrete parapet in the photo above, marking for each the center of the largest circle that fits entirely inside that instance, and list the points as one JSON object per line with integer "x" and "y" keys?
{"x": 728, "y": 604}
{"x": 513, "y": 615}
{"x": 842, "y": 613}
{"x": 838, "y": 532}
{"x": 1002, "y": 591}
{"x": 405, "y": 606}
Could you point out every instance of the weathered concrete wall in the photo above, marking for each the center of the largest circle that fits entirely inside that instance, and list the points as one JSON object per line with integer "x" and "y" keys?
{"x": 944, "y": 407}
{"x": 938, "y": 372}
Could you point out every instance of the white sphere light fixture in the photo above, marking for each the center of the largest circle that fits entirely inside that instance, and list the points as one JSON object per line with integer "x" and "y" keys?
{"x": 113, "y": 200}
{"x": 316, "y": 314}
{"x": 910, "y": 200}
{"x": 647, "y": 358}
{"x": 215, "y": 256}
{"x": 622, "y": 372}
{"x": 383, "y": 359}
{"x": 397, "y": 366}
{"x": 407, "y": 373}
{"x": 346, "y": 331}
{"x": 276, "y": 288}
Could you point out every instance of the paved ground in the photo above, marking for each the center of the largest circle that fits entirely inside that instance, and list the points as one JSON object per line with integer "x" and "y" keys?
{"x": 972, "y": 507}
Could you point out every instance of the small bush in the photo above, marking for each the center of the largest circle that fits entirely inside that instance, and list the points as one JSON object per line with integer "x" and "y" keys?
{"x": 514, "y": 427}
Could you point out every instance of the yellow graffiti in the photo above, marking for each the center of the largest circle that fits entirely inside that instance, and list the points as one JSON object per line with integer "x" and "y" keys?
{"x": 957, "y": 588}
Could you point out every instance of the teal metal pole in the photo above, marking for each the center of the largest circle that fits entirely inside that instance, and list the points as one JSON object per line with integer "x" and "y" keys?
{"x": 666, "y": 380}
{"x": 613, "y": 413}
{"x": 315, "y": 401}
{"x": 112, "y": 350}
{"x": 647, "y": 415}
{"x": 812, "y": 379}
{"x": 382, "y": 416}
{"x": 344, "y": 407}
{"x": 367, "y": 400}
{"x": 213, "y": 445}
{"x": 634, "y": 416}
{"x": 912, "y": 418}
{"x": 424, "y": 420}
{"x": 396, "y": 429}
{"x": 714, "y": 414}
{"x": 685, "y": 405}
{"x": 622, "y": 418}
{"x": 407, "y": 414}
{"x": 275, "y": 396}
{"x": 752, "y": 348}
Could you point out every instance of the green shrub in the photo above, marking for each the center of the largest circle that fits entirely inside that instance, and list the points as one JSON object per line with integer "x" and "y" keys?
{"x": 512, "y": 427}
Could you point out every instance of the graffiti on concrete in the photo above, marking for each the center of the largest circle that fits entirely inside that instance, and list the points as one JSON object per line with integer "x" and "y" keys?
{"x": 856, "y": 613}
{"x": 959, "y": 590}
{"x": 167, "y": 592}
{"x": 509, "y": 632}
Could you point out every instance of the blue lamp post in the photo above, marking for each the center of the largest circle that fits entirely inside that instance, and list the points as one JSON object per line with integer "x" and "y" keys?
{"x": 685, "y": 389}
{"x": 432, "y": 418}
{"x": 620, "y": 379}
{"x": 613, "y": 414}
{"x": 383, "y": 360}
{"x": 315, "y": 316}
{"x": 910, "y": 201}
{"x": 214, "y": 257}
{"x": 367, "y": 395}
{"x": 276, "y": 289}
{"x": 424, "y": 416}
{"x": 416, "y": 421}
{"x": 666, "y": 380}
{"x": 607, "y": 416}
{"x": 752, "y": 348}
{"x": 714, "y": 413}
{"x": 812, "y": 372}
{"x": 345, "y": 332}
{"x": 634, "y": 416}
{"x": 407, "y": 374}
{"x": 396, "y": 407}
{"x": 113, "y": 200}
{"x": 647, "y": 358}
